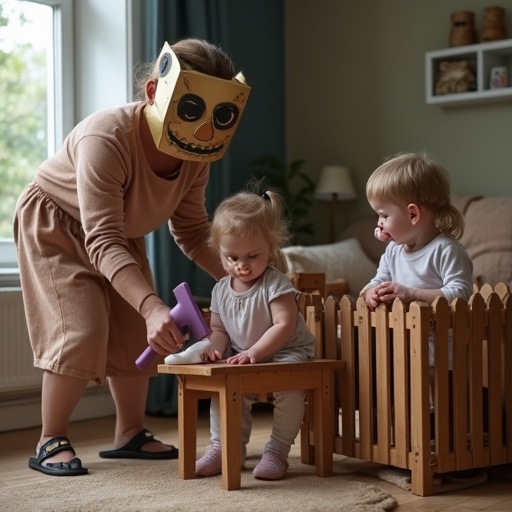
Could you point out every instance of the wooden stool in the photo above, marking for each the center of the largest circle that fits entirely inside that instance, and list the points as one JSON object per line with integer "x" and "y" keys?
{"x": 198, "y": 381}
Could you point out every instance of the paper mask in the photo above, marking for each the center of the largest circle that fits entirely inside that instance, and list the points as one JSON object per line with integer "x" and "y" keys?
{"x": 194, "y": 115}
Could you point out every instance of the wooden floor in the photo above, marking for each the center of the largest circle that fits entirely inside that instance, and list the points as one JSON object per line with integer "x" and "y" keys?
{"x": 88, "y": 437}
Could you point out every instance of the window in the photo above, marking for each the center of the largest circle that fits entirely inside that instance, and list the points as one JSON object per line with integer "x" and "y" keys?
{"x": 36, "y": 90}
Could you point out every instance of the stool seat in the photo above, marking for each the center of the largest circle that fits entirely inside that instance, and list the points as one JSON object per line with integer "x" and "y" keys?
{"x": 230, "y": 381}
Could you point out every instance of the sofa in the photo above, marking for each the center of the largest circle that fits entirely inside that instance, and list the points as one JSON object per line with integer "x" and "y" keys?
{"x": 354, "y": 258}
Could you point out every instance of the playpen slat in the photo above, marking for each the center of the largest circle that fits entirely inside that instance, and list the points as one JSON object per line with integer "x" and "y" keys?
{"x": 476, "y": 411}
{"x": 460, "y": 379}
{"x": 330, "y": 329}
{"x": 366, "y": 380}
{"x": 498, "y": 454}
{"x": 331, "y": 350}
{"x": 347, "y": 388}
{"x": 314, "y": 323}
{"x": 383, "y": 368}
{"x": 422, "y": 471}
{"x": 507, "y": 360}
{"x": 400, "y": 379}
{"x": 441, "y": 387}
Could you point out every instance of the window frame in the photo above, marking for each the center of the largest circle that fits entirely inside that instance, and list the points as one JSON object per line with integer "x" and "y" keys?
{"x": 63, "y": 108}
{"x": 97, "y": 46}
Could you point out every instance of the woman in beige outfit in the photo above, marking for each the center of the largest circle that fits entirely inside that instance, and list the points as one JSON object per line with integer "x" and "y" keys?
{"x": 90, "y": 302}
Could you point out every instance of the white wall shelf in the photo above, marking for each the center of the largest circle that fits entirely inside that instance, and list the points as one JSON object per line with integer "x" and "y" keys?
{"x": 486, "y": 56}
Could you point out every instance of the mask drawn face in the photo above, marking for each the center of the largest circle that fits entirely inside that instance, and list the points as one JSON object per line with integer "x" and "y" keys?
{"x": 194, "y": 116}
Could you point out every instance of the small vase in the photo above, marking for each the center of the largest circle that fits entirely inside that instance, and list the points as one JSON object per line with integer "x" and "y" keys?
{"x": 463, "y": 28}
{"x": 499, "y": 77}
{"x": 494, "y": 24}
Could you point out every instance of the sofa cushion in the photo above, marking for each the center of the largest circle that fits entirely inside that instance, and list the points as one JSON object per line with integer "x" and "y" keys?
{"x": 340, "y": 260}
{"x": 488, "y": 239}
{"x": 462, "y": 202}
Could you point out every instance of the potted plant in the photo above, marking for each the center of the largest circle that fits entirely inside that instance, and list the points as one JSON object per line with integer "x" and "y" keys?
{"x": 295, "y": 186}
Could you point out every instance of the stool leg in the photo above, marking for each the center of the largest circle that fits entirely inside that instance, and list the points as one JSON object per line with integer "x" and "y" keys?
{"x": 187, "y": 428}
{"x": 307, "y": 448}
{"x": 230, "y": 398}
{"x": 324, "y": 431}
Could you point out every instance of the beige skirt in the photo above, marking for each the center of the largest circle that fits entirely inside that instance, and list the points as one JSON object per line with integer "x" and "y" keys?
{"x": 78, "y": 324}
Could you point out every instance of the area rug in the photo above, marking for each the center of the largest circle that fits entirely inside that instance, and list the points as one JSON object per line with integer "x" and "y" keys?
{"x": 402, "y": 477}
{"x": 136, "y": 485}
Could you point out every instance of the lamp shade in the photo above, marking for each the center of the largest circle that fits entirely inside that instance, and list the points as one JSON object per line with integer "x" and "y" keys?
{"x": 335, "y": 181}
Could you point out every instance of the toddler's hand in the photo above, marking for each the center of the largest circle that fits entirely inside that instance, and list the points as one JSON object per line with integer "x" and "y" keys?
{"x": 245, "y": 357}
{"x": 371, "y": 297}
{"x": 389, "y": 291}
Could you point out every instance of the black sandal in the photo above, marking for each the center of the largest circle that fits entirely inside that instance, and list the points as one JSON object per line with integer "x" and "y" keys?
{"x": 132, "y": 449}
{"x": 52, "y": 447}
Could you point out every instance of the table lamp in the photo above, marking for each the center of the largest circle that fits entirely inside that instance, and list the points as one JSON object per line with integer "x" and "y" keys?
{"x": 335, "y": 184}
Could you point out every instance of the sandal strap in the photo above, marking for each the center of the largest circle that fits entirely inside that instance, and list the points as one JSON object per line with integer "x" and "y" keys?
{"x": 143, "y": 437}
{"x": 54, "y": 446}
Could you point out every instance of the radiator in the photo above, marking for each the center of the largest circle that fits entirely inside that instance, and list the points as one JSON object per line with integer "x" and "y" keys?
{"x": 16, "y": 370}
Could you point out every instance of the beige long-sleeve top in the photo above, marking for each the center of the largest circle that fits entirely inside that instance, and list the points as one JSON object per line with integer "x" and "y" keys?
{"x": 101, "y": 178}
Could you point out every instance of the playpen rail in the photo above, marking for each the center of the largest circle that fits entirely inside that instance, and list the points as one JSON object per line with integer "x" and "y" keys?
{"x": 383, "y": 396}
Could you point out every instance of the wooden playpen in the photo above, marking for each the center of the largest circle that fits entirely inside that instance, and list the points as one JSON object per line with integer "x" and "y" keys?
{"x": 385, "y": 413}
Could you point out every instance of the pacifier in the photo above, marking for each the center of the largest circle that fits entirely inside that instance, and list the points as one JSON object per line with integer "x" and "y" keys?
{"x": 380, "y": 235}
{"x": 239, "y": 272}
{"x": 234, "y": 269}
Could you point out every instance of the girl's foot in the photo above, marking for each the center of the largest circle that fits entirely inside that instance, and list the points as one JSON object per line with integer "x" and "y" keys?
{"x": 210, "y": 463}
{"x": 272, "y": 466}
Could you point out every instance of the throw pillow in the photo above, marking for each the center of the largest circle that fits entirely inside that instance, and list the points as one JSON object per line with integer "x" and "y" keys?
{"x": 340, "y": 260}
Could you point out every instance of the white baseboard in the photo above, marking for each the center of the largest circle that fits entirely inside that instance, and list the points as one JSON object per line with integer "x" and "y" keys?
{"x": 25, "y": 412}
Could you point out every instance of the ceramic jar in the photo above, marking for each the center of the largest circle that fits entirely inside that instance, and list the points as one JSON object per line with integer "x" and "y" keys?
{"x": 462, "y": 30}
{"x": 494, "y": 24}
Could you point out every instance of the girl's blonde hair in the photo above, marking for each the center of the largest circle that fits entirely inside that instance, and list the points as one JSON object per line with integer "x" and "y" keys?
{"x": 415, "y": 178}
{"x": 198, "y": 54}
{"x": 247, "y": 213}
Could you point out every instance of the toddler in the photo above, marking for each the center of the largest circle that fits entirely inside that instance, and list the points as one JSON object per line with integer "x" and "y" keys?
{"x": 423, "y": 259}
{"x": 254, "y": 318}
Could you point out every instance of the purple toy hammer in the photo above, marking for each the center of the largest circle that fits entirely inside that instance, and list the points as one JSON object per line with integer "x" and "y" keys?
{"x": 185, "y": 314}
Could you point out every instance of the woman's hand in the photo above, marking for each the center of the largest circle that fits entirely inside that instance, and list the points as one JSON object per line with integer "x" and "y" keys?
{"x": 163, "y": 335}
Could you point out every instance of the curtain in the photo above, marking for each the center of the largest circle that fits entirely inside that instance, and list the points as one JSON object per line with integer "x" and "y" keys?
{"x": 253, "y": 34}
{"x": 170, "y": 20}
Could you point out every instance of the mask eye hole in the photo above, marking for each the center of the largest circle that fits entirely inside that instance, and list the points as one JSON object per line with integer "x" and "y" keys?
{"x": 191, "y": 108}
{"x": 225, "y": 116}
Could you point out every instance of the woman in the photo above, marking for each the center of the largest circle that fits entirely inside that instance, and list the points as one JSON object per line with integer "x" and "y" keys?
{"x": 79, "y": 228}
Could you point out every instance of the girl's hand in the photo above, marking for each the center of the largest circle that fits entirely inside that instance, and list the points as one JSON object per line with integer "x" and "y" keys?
{"x": 245, "y": 357}
{"x": 211, "y": 356}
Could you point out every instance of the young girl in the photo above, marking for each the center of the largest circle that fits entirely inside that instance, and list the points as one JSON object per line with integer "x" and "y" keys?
{"x": 423, "y": 259}
{"x": 254, "y": 319}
